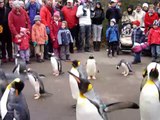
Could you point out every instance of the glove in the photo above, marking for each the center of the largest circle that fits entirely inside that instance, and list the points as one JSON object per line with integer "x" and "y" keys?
{"x": 47, "y": 30}
{"x": 34, "y": 44}
{"x": 46, "y": 42}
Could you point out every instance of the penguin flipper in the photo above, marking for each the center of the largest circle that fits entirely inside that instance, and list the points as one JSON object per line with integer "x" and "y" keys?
{"x": 157, "y": 83}
{"x": 14, "y": 69}
{"x": 120, "y": 105}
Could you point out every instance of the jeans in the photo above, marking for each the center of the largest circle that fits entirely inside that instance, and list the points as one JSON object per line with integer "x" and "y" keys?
{"x": 137, "y": 57}
{"x": 85, "y": 35}
{"x": 25, "y": 54}
{"x": 97, "y": 31}
{"x": 64, "y": 51}
{"x": 155, "y": 50}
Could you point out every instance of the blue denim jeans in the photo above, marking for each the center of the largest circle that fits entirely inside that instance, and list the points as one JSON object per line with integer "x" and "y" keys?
{"x": 155, "y": 50}
{"x": 137, "y": 57}
{"x": 85, "y": 35}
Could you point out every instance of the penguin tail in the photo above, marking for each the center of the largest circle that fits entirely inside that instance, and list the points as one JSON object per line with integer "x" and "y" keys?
{"x": 121, "y": 105}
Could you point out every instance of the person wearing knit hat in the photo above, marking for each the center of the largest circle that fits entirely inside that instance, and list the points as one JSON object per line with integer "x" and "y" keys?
{"x": 136, "y": 38}
{"x": 153, "y": 41}
{"x": 39, "y": 38}
{"x": 56, "y": 14}
{"x": 145, "y": 7}
{"x": 37, "y": 18}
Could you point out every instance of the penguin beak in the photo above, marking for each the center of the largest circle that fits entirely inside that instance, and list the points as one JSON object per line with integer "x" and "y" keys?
{"x": 144, "y": 74}
{"x": 77, "y": 78}
{"x": 17, "y": 92}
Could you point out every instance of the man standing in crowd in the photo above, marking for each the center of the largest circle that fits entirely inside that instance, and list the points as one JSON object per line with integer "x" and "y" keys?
{"x": 84, "y": 15}
{"x": 113, "y": 12}
{"x": 46, "y": 14}
{"x": 5, "y": 35}
{"x": 69, "y": 12}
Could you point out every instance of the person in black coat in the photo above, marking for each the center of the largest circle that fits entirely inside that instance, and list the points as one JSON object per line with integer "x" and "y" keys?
{"x": 5, "y": 35}
{"x": 113, "y": 12}
{"x": 97, "y": 26}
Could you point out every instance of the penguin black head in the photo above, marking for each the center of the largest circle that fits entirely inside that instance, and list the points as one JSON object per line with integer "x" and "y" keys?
{"x": 83, "y": 83}
{"x": 154, "y": 73}
{"x": 91, "y": 57}
{"x": 75, "y": 63}
{"x": 18, "y": 85}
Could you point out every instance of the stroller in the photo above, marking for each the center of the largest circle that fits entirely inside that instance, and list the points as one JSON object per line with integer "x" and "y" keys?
{"x": 125, "y": 37}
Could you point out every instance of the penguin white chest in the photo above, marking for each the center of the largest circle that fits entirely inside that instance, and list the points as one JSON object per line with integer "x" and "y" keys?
{"x": 149, "y": 102}
{"x": 85, "y": 110}
{"x": 91, "y": 67}
{"x": 54, "y": 64}
{"x": 73, "y": 84}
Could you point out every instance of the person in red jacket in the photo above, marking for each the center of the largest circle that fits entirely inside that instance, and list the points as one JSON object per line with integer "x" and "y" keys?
{"x": 46, "y": 16}
{"x": 69, "y": 12}
{"x": 23, "y": 43}
{"x": 154, "y": 41}
{"x": 149, "y": 18}
{"x": 55, "y": 26}
{"x": 17, "y": 18}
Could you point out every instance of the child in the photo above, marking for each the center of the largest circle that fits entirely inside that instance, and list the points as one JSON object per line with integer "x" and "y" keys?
{"x": 137, "y": 37}
{"x": 154, "y": 41}
{"x": 54, "y": 28}
{"x": 64, "y": 39}
{"x": 39, "y": 38}
{"x": 23, "y": 44}
{"x": 112, "y": 36}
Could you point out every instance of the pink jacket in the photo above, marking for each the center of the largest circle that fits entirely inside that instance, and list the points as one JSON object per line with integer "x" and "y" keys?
{"x": 54, "y": 32}
{"x": 39, "y": 34}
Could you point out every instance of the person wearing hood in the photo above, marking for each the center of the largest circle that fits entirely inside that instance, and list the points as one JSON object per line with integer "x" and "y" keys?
{"x": 139, "y": 15}
{"x": 5, "y": 34}
{"x": 97, "y": 26}
{"x": 17, "y": 18}
{"x": 149, "y": 18}
{"x": 145, "y": 7}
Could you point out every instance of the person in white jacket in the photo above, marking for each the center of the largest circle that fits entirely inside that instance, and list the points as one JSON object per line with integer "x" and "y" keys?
{"x": 139, "y": 15}
{"x": 84, "y": 15}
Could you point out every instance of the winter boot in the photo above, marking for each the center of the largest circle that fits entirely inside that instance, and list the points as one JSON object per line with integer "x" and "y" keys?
{"x": 68, "y": 57}
{"x": 94, "y": 46}
{"x": 98, "y": 46}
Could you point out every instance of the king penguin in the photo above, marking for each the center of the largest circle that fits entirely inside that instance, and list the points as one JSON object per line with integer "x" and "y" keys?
{"x": 20, "y": 65}
{"x": 72, "y": 82}
{"x": 13, "y": 102}
{"x": 89, "y": 106}
{"x": 150, "y": 93}
{"x": 56, "y": 65}
{"x": 91, "y": 68}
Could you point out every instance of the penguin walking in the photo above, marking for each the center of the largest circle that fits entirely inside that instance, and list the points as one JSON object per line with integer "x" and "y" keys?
{"x": 89, "y": 106}
{"x": 126, "y": 67}
{"x": 36, "y": 82}
{"x": 20, "y": 65}
{"x": 72, "y": 82}
{"x": 91, "y": 68}
{"x": 150, "y": 93}
{"x": 56, "y": 65}
{"x": 13, "y": 103}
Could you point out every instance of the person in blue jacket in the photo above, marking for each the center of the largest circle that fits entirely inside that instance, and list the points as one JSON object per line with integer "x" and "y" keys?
{"x": 112, "y": 37}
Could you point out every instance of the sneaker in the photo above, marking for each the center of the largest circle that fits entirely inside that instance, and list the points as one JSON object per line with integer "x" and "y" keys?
{"x": 4, "y": 60}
